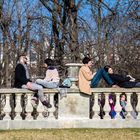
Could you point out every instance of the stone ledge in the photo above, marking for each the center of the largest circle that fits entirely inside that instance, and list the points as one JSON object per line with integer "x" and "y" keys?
{"x": 19, "y": 90}
{"x": 71, "y": 90}
{"x": 46, "y": 90}
{"x": 116, "y": 90}
{"x": 68, "y": 123}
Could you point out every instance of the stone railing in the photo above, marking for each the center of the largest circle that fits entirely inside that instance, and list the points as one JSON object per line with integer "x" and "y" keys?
{"x": 17, "y": 102}
{"x": 71, "y": 110}
{"x": 132, "y": 99}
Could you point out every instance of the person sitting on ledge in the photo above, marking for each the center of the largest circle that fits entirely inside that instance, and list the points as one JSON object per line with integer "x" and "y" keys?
{"x": 121, "y": 80}
{"x": 88, "y": 80}
{"x": 51, "y": 79}
{"x": 22, "y": 80}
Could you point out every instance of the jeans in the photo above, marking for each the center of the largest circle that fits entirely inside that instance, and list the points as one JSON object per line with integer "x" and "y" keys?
{"x": 137, "y": 84}
{"x": 47, "y": 84}
{"x": 39, "y": 89}
{"x": 101, "y": 73}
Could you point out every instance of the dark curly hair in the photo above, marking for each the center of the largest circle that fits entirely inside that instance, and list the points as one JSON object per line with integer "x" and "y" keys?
{"x": 86, "y": 60}
{"x": 107, "y": 67}
{"x": 49, "y": 62}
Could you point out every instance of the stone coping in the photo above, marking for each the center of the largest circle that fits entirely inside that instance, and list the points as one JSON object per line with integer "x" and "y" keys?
{"x": 46, "y": 90}
{"x": 116, "y": 90}
{"x": 71, "y": 90}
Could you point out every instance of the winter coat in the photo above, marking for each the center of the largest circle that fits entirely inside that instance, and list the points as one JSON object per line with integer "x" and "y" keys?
{"x": 85, "y": 76}
{"x": 122, "y": 81}
{"x": 20, "y": 76}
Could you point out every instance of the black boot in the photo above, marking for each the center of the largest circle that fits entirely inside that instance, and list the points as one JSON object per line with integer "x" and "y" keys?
{"x": 47, "y": 104}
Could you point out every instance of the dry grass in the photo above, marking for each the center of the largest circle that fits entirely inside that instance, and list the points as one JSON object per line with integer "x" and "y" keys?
{"x": 71, "y": 134}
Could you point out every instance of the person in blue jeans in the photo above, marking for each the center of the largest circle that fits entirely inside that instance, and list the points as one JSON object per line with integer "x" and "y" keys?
{"x": 101, "y": 73}
{"x": 88, "y": 79}
{"x": 51, "y": 79}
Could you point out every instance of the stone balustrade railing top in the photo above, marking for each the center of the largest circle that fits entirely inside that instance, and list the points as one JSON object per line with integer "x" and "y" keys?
{"x": 69, "y": 107}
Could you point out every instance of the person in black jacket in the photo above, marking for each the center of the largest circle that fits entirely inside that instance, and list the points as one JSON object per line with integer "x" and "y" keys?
{"x": 121, "y": 80}
{"x": 22, "y": 80}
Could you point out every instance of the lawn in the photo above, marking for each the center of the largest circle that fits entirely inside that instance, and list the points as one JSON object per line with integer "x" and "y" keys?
{"x": 71, "y": 134}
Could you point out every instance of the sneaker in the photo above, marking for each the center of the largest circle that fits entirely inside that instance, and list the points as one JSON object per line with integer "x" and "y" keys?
{"x": 47, "y": 104}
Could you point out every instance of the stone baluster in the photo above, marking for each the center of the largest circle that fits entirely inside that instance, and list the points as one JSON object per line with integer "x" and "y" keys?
{"x": 118, "y": 106}
{"x": 138, "y": 106}
{"x": 129, "y": 106}
{"x": 40, "y": 110}
{"x": 29, "y": 108}
{"x": 51, "y": 110}
{"x": 7, "y": 108}
{"x": 107, "y": 106}
{"x": 18, "y": 108}
{"x": 96, "y": 107}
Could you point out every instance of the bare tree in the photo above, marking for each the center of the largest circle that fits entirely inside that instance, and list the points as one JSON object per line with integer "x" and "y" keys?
{"x": 64, "y": 26}
{"x": 108, "y": 31}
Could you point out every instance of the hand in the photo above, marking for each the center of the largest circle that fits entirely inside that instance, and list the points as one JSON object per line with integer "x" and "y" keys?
{"x": 115, "y": 86}
{"x": 29, "y": 85}
{"x": 131, "y": 78}
{"x": 94, "y": 74}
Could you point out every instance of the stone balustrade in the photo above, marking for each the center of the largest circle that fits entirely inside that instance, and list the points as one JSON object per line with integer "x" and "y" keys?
{"x": 71, "y": 110}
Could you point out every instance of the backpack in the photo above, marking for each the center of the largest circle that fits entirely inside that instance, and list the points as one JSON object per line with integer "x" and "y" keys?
{"x": 66, "y": 83}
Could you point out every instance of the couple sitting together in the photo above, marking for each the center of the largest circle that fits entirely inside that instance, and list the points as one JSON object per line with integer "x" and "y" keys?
{"x": 88, "y": 80}
{"x": 22, "y": 79}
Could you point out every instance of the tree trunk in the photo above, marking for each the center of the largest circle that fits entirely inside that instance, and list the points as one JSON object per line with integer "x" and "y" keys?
{"x": 74, "y": 32}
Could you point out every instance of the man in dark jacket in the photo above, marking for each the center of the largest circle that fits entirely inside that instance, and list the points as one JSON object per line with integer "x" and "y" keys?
{"x": 22, "y": 80}
{"x": 121, "y": 80}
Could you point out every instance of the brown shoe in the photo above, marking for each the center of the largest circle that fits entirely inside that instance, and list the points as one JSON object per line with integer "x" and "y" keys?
{"x": 47, "y": 104}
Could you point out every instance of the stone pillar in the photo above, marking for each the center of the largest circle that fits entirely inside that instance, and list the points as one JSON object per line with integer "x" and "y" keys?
{"x": 7, "y": 108}
{"x": 96, "y": 107}
{"x": 138, "y": 106}
{"x": 118, "y": 106}
{"x": 40, "y": 110}
{"x": 18, "y": 108}
{"x": 29, "y": 108}
{"x": 52, "y": 109}
{"x": 73, "y": 70}
{"x": 129, "y": 106}
{"x": 107, "y": 106}
{"x": 74, "y": 105}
